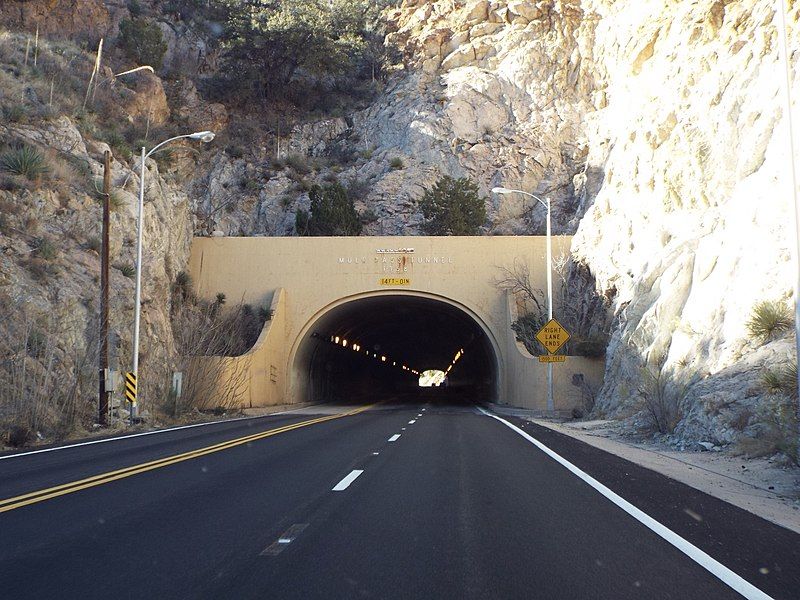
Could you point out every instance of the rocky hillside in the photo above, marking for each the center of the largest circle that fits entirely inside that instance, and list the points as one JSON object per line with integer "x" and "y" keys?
{"x": 656, "y": 128}
{"x": 663, "y": 143}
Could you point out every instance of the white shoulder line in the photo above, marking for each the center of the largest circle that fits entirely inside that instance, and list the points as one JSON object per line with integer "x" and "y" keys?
{"x": 714, "y": 567}
{"x": 134, "y": 435}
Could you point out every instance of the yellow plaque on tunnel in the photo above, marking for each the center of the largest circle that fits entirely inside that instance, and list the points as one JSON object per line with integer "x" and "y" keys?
{"x": 394, "y": 281}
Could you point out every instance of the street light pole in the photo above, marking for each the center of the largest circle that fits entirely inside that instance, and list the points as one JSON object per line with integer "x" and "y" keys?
{"x": 205, "y": 137}
{"x": 783, "y": 54}
{"x": 546, "y": 204}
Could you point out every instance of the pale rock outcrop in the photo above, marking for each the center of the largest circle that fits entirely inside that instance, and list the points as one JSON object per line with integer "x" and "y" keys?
{"x": 658, "y": 131}
{"x": 146, "y": 100}
{"x": 495, "y": 92}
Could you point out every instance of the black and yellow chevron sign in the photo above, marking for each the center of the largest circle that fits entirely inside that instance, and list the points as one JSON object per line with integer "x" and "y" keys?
{"x": 130, "y": 387}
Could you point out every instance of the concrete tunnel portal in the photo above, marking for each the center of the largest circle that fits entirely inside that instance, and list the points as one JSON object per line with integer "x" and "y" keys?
{"x": 375, "y": 348}
{"x": 415, "y": 300}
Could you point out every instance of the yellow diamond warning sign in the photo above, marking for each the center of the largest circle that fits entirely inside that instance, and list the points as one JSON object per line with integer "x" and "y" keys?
{"x": 552, "y": 336}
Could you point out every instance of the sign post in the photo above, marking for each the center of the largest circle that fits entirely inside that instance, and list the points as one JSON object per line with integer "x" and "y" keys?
{"x": 130, "y": 391}
{"x": 552, "y": 336}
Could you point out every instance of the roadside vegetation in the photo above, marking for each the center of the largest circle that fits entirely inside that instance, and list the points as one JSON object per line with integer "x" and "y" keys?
{"x": 206, "y": 333}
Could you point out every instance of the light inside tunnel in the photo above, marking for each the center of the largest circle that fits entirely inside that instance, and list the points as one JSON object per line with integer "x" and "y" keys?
{"x": 402, "y": 337}
{"x": 432, "y": 378}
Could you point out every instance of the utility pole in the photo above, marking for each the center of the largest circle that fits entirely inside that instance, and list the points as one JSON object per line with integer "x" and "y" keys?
{"x": 104, "y": 260}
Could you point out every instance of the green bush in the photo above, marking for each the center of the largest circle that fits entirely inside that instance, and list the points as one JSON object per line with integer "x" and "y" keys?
{"x": 453, "y": 207}
{"x": 24, "y": 160}
{"x": 769, "y": 319}
{"x": 235, "y": 151}
{"x": 93, "y": 243}
{"x": 332, "y": 213}
{"x": 46, "y": 249}
{"x": 16, "y": 113}
{"x": 142, "y": 41}
{"x": 396, "y": 163}
{"x": 781, "y": 381}
{"x": 127, "y": 270}
{"x": 135, "y": 8}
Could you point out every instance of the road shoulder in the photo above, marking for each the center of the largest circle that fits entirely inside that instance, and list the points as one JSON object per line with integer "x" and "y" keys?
{"x": 745, "y": 483}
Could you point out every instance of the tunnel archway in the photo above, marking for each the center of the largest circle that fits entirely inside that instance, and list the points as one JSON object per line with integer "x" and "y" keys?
{"x": 373, "y": 347}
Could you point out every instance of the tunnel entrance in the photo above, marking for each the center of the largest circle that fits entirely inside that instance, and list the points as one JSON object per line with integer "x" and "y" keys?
{"x": 376, "y": 348}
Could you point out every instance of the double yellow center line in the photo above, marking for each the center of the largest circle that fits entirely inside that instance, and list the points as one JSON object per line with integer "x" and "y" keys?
{"x": 95, "y": 480}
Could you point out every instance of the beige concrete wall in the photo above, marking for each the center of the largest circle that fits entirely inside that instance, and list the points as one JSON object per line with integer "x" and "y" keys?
{"x": 528, "y": 377}
{"x": 321, "y": 273}
{"x": 252, "y": 379}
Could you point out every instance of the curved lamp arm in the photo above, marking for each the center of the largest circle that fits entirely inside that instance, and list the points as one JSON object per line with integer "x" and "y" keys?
{"x": 502, "y": 190}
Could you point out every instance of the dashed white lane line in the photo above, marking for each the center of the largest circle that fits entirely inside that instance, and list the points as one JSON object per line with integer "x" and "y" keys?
{"x": 720, "y": 571}
{"x": 412, "y": 421}
{"x": 402, "y": 429}
{"x": 375, "y": 453}
{"x": 287, "y": 537}
{"x": 395, "y": 437}
{"x": 345, "y": 483}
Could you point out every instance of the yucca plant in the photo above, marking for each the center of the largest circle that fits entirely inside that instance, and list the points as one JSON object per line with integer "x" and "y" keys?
{"x": 24, "y": 160}
{"x": 788, "y": 377}
{"x": 771, "y": 381}
{"x": 768, "y": 319}
{"x": 127, "y": 270}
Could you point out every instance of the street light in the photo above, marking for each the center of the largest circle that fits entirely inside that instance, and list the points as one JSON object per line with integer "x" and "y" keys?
{"x": 203, "y": 136}
{"x": 546, "y": 204}
{"x": 783, "y": 54}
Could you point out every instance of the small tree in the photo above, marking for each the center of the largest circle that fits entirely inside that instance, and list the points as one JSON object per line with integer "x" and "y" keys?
{"x": 332, "y": 213}
{"x": 142, "y": 41}
{"x": 453, "y": 207}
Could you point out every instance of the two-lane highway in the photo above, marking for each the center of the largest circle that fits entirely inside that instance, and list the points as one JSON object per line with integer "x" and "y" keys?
{"x": 390, "y": 501}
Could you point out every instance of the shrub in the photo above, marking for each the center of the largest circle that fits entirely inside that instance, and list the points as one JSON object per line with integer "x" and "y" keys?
{"x": 775, "y": 430}
{"x": 453, "y": 207}
{"x": 769, "y": 319}
{"x": 134, "y": 8}
{"x": 19, "y": 436}
{"x": 298, "y": 163}
{"x": 93, "y": 243}
{"x": 116, "y": 201}
{"x": 396, "y": 163}
{"x": 369, "y": 216}
{"x": 25, "y": 161}
{"x": 781, "y": 381}
{"x": 663, "y": 396}
{"x": 235, "y": 151}
{"x": 332, "y": 213}
{"x": 40, "y": 269}
{"x": 142, "y": 41}
{"x": 16, "y": 113}
{"x": 45, "y": 249}
{"x": 127, "y": 270}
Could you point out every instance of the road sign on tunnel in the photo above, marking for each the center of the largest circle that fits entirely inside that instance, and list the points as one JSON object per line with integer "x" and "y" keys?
{"x": 552, "y": 336}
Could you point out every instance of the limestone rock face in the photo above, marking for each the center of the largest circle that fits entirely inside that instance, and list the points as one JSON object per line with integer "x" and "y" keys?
{"x": 147, "y": 101}
{"x": 57, "y": 17}
{"x": 691, "y": 225}
{"x": 659, "y": 131}
{"x": 494, "y": 91}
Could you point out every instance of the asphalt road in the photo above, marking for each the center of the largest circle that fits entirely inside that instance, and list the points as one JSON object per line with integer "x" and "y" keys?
{"x": 460, "y": 505}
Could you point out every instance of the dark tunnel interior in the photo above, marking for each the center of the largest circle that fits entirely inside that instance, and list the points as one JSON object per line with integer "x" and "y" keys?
{"x": 375, "y": 349}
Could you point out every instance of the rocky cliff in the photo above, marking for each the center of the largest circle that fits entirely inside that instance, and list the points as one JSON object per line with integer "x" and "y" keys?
{"x": 658, "y": 130}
